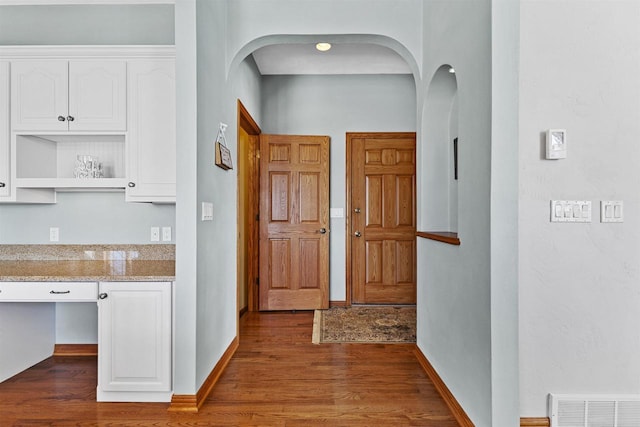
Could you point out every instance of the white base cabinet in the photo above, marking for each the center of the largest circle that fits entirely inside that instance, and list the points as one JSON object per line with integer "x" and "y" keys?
{"x": 5, "y": 185}
{"x": 134, "y": 342}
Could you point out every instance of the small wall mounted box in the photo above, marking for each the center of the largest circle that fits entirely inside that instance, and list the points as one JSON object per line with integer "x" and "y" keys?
{"x": 207, "y": 211}
{"x": 556, "y": 144}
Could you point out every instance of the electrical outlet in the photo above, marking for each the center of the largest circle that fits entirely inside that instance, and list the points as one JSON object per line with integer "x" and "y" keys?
{"x": 166, "y": 234}
{"x": 155, "y": 234}
{"x": 54, "y": 234}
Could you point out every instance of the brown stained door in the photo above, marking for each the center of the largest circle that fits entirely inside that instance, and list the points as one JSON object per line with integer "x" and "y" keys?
{"x": 294, "y": 222}
{"x": 383, "y": 218}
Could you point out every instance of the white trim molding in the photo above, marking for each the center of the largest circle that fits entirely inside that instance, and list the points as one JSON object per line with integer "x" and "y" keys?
{"x": 80, "y": 2}
{"x": 88, "y": 51}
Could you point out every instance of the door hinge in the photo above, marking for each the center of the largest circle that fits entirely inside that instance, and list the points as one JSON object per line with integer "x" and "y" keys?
{"x": 257, "y": 154}
{"x": 257, "y": 281}
{"x": 257, "y": 217}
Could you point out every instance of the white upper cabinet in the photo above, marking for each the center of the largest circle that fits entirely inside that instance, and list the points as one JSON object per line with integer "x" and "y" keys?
{"x": 98, "y": 95}
{"x": 151, "y": 144}
{"x": 60, "y": 95}
{"x": 5, "y": 162}
{"x": 40, "y": 94}
{"x": 62, "y": 104}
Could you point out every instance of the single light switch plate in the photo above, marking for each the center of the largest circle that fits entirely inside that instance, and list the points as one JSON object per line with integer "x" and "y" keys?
{"x": 155, "y": 234}
{"x": 207, "y": 211}
{"x": 166, "y": 234}
{"x": 570, "y": 211}
{"x": 336, "y": 213}
{"x": 556, "y": 144}
{"x": 611, "y": 211}
{"x": 54, "y": 234}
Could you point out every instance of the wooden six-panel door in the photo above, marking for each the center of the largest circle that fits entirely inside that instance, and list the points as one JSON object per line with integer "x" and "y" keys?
{"x": 294, "y": 222}
{"x": 382, "y": 218}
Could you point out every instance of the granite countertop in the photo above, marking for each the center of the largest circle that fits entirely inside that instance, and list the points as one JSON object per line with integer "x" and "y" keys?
{"x": 86, "y": 263}
{"x": 87, "y": 271}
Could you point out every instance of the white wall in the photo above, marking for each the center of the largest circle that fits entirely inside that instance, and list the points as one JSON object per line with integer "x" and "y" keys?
{"x": 334, "y": 105}
{"x": 579, "y": 295}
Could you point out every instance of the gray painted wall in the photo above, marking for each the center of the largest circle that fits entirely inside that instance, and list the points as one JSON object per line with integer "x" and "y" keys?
{"x": 455, "y": 322}
{"x": 187, "y": 210}
{"x": 220, "y": 34}
{"x": 84, "y": 218}
{"x": 454, "y": 282}
{"x": 334, "y": 105}
{"x": 87, "y": 24}
{"x": 217, "y": 275}
{"x": 579, "y": 294}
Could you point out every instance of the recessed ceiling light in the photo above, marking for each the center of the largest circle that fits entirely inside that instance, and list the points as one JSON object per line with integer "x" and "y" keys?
{"x": 323, "y": 47}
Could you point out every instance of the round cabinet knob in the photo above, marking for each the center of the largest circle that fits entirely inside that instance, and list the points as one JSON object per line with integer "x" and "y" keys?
{"x": 2, "y": 185}
{"x": 103, "y": 295}
{"x": 61, "y": 118}
{"x": 131, "y": 184}
{"x": 322, "y": 231}
{"x": 357, "y": 234}
{"x": 70, "y": 118}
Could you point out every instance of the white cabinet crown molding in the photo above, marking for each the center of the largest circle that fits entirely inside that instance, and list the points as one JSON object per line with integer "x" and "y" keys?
{"x": 87, "y": 52}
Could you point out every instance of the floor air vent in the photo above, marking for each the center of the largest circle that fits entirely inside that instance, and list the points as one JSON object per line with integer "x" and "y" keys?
{"x": 571, "y": 410}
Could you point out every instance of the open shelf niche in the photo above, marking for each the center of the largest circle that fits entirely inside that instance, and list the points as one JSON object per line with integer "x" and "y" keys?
{"x": 49, "y": 160}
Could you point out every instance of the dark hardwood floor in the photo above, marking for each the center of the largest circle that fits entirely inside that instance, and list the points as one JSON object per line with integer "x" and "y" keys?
{"x": 276, "y": 378}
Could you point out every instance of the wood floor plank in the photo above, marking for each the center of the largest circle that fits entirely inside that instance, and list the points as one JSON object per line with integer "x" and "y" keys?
{"x": 276, "y": 378}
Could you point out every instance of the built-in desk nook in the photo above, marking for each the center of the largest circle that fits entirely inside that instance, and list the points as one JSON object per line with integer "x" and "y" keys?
{"x": 132, "y": 289}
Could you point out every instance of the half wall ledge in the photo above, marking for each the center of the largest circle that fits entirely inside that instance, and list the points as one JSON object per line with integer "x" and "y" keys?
{"x": 440, "y": 236}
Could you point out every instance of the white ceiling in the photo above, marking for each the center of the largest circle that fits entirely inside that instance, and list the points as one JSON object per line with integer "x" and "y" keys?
{"x": 342, "y": 58}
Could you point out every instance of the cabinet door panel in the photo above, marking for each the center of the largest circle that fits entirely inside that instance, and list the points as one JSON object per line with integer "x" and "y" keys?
{"x": 134, "y": 340}
{"x": 39, "y": 94}
{"x": 151, "y": 147}
{"x": 5, "y": 163}
{"x": 97, "y": 95}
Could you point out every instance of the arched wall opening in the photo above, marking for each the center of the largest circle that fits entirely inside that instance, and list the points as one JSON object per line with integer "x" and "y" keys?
{"x": 333, "y": 104}
{"x": 439, "y": 153}
{"x": 241, "y": 54}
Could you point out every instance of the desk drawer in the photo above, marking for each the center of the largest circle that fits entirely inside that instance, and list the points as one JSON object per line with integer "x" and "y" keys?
{"x": 48, "y": 291}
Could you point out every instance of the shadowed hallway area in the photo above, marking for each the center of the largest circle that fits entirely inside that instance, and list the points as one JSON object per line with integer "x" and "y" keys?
{"x": 276, "y": 378}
